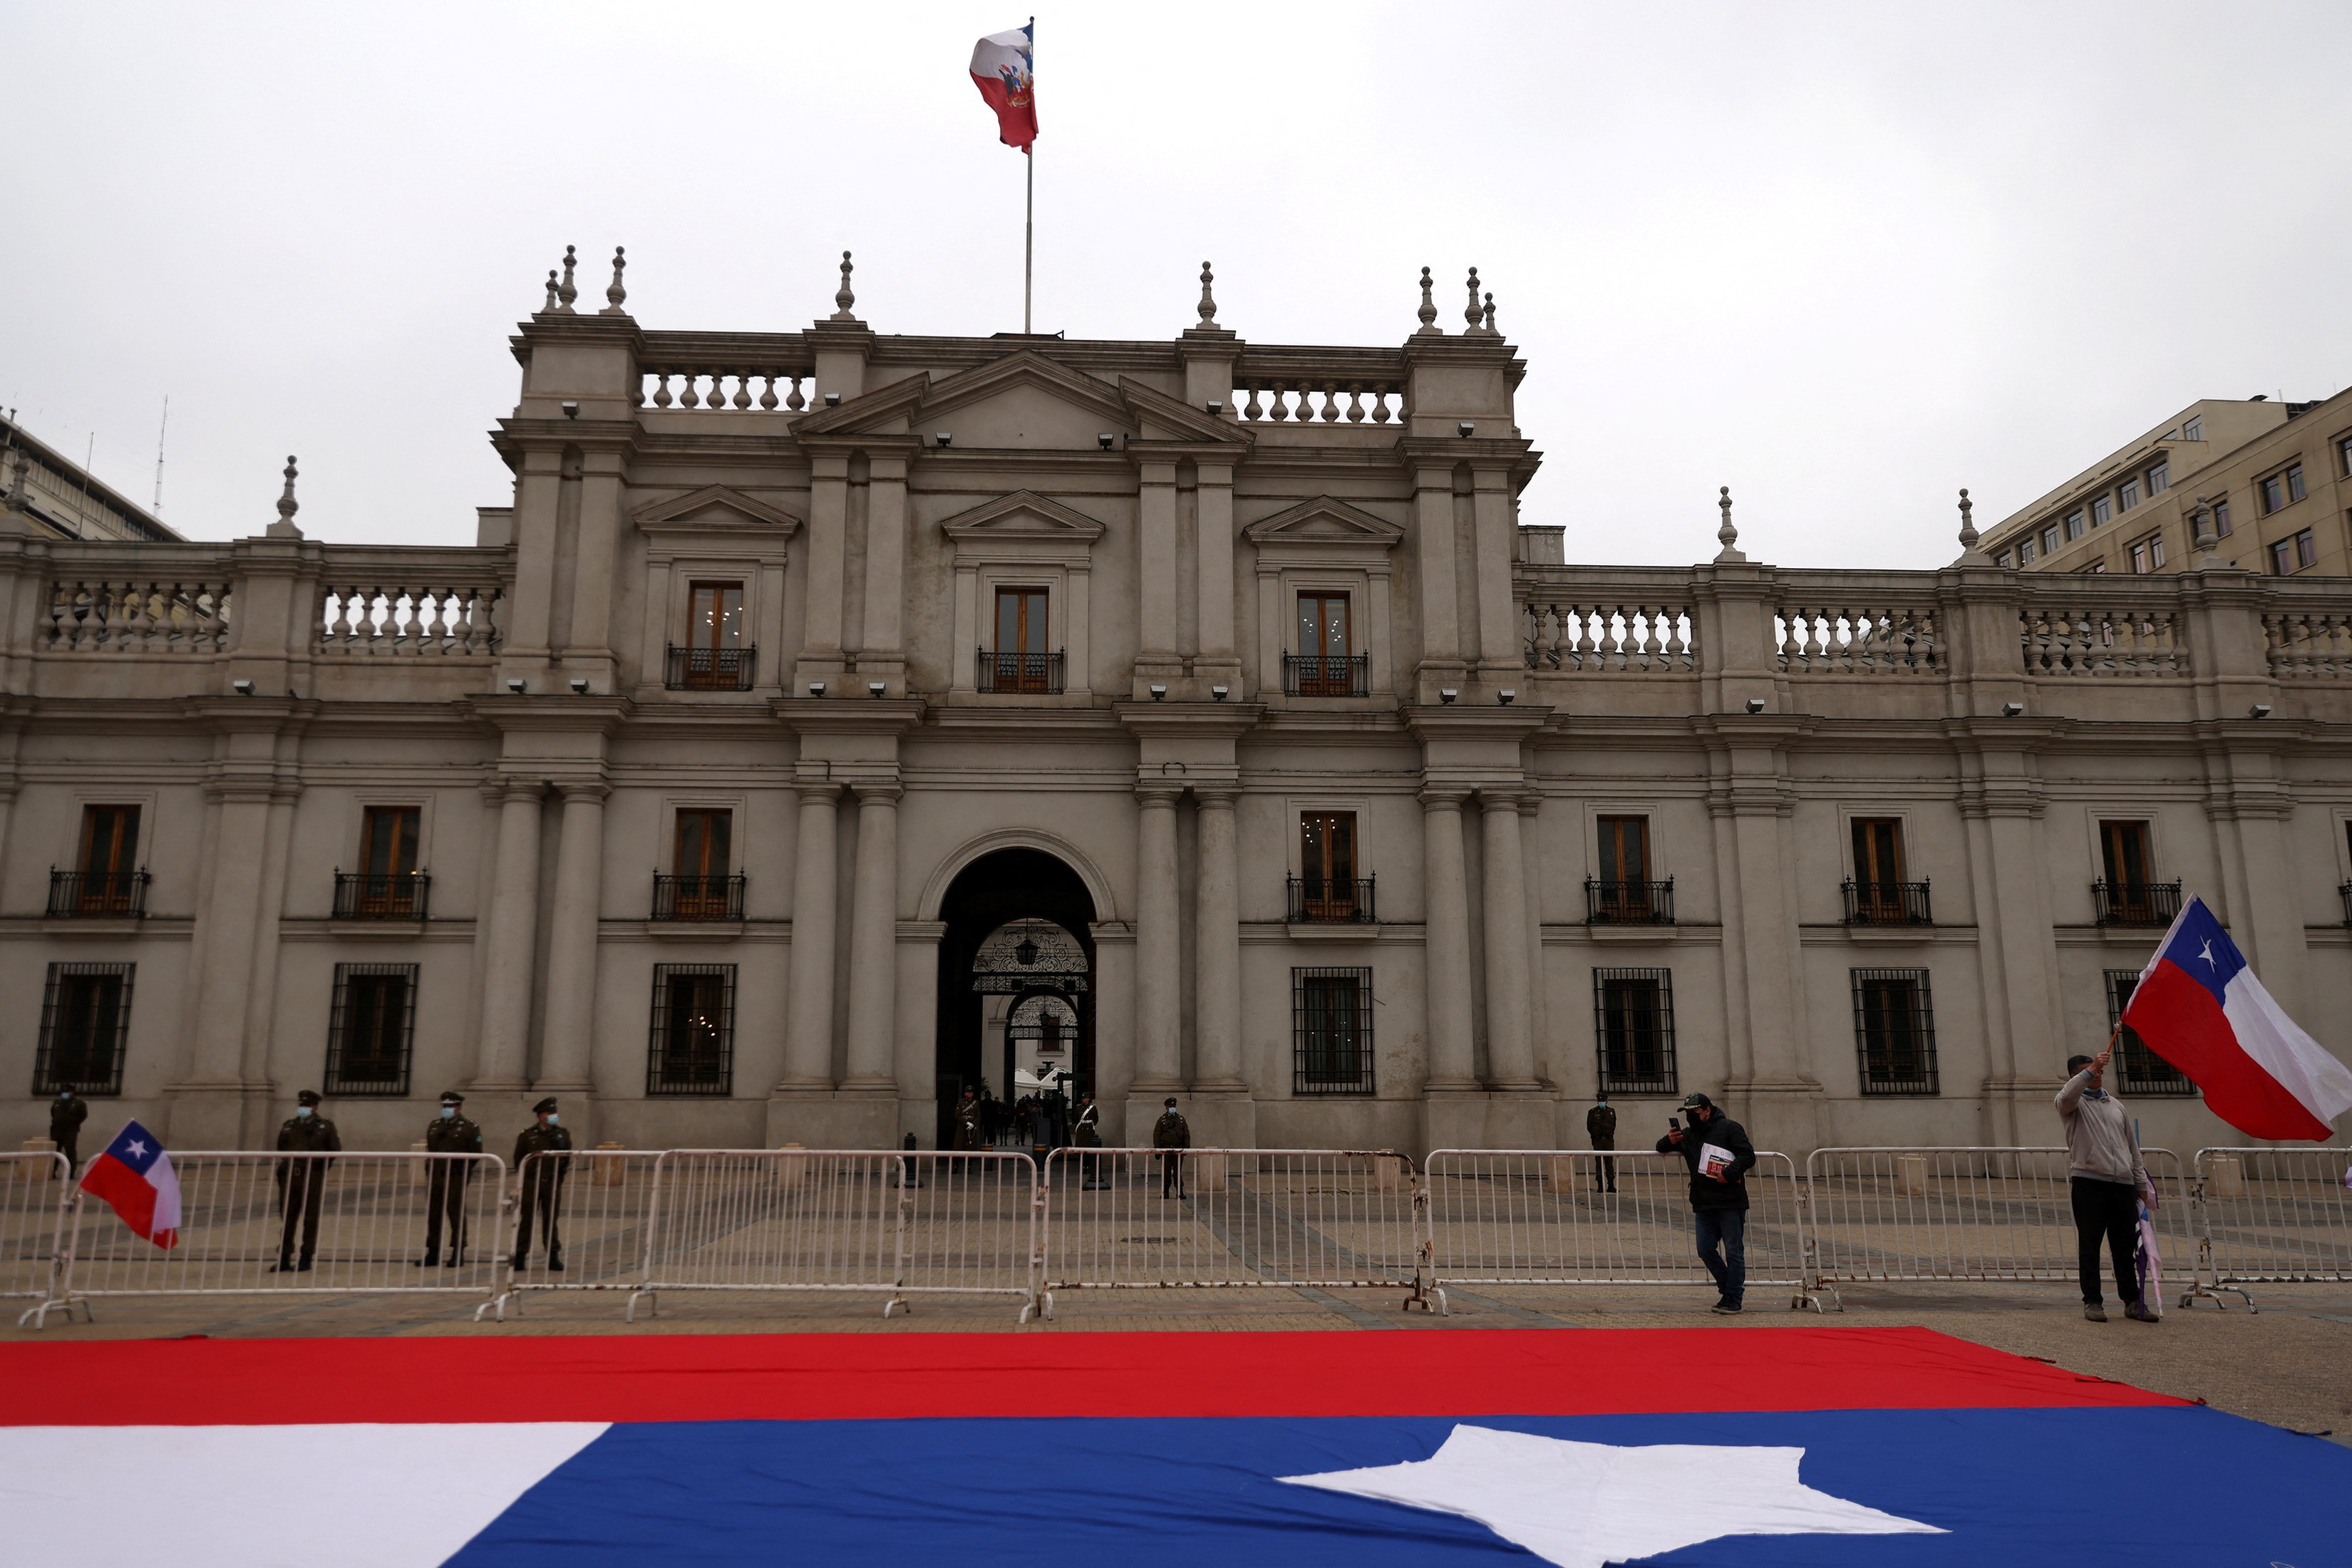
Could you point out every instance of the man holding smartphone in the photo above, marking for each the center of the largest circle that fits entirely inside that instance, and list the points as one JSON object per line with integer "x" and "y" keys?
{"x": 1717, "y": 1149}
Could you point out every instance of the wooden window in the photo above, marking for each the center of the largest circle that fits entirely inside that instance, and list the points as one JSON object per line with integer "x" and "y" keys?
{"x": 1633, "y": 1019}
{"x": 714, "y": 616}
{"x": 1878, "y": 872}
{"x": 692, "y": 1047}
{"x": 388, "y": 883}
{"x": 1331, "y": 1025}
{"x": 370, "y": 1029}
{"x": 2124, "y": 847}
{"x": 1894, "y": 1031}
{"x": 1021, "y": 620}
{"x": 702, "y": 862}
{"x": 1324, "y": 666}
{"x": 110, "y": 860}
{"x": 1327, "y": 864}
{"x": 85, "y": 1021}
{"x": 1623, "y": 893}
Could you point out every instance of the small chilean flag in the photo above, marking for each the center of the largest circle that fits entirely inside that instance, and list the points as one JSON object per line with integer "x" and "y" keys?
{"x": 135, "y": 1177}
{"x": 2201, "y": 1008}
{"x": 1001, "y": 68}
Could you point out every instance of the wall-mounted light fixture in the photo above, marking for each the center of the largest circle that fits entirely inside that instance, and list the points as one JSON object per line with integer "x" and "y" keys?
{"x": 816, "y": 688}
{"x": 1447, "y": 694}
{"x": 2259, "y": 711}
{"x": 2013, "y": 710}
{"x": 242, "y": 688}
{"x": 1466, "y": 428}
{"x": 1221, "y": 692}
{"x": 1160, "y": 694}
{"x": 515, "y": 684}
{"x": 1503, "y": 698}
{"x": 579, "y": 685}
{"x": 941, "y": 437}
{"x": 833, "y": 400}
{"x": 1215, "y": 407}
{"x": 1756, "y": 705}
{"x": 1106, "y": 440}
{"x": 571, "y": 410}
{"x": 876, "y": 688}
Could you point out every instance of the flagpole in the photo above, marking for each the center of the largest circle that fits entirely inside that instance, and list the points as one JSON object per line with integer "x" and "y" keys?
{"x": 1028, "y": 235}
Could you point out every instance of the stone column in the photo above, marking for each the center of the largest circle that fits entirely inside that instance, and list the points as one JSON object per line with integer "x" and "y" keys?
{"x": 1156, "y": 559}
{"x": 886, "y": 556}
{"x": 568, "y": 1042}
{"x": 1445, "y": 943}
{"x": 827, "y": 532}
{"x": 1510, "y": 1050}
{"x": 1214, "y": 542}
{"x": 223, "y": 985}
{"x": 510, "y": 940}
{"x": 1217, "y": 943}
{"x": 1547, "y": 1064}
{"x": 874, "y": 940}
{"x": 1159, "y": 990}
{"x": 1499, "y": 658}
{"x": 808, "y": 1009}
{"x": 1441, "y": 631}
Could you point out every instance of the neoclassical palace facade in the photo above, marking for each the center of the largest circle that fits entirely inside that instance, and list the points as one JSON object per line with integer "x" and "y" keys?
{"x": 836, "y": 720}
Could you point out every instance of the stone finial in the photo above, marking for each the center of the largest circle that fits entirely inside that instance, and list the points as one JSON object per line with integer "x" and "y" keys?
{"x": 286, "y": 506}
{"x": 1728, "y": 536}
{"x": 565, "y": 292}
{"x": 2207, "y": 542}
{"x": 1472, "y": 313}
{"x": 1489, "y": 328}
{"x": 1970, "y": 555}
{"x": 1208, "y": 301}
{"x": 842, "y": 298}
{"x": 551, "y": 303}
{"x": 614, "y": 294}
{"x": 23, "y": 469}
{"x": 1428, "y": 304}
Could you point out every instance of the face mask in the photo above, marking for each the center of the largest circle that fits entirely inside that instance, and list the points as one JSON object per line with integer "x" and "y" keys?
{"x": 552, "y": 1118}
{"x": 447, "y": 1111}
{"x": 302, "y": 1111}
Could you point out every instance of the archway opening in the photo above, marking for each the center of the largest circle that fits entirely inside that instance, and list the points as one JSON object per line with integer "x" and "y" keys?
{"x": 1016, "y": 987}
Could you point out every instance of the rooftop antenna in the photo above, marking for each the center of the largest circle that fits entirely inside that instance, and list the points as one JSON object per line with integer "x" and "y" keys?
{"x": 89, "y": 455}
{"x": 158, "y": 507}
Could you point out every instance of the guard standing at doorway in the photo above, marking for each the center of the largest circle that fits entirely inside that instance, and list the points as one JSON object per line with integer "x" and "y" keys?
{"x": 68, "y": 1111}
{"x": 1172, "y": 1135}
{"x": 301, "y": 1182}
{"x": 448, "y": 1133}
{"x": 543, "y": 1183}
{"x": 967, "y": 1118}
{"x": 1601, "y": 1129}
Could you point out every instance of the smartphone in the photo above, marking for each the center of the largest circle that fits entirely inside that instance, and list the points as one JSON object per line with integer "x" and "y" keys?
{"x": 1673, "y": 1123}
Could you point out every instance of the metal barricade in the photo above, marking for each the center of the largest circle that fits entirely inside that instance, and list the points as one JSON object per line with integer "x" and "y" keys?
{"x": 1127, "y": 1219}
{"x": 2271, "y": 1215}
{"x": 1533, "y": 1217}
{"x": 1960, "y": 1214}
{"x": 894, "y": 1222}
{"x": 35, "y": 1192}
{"x": 300, "y": 1224}
{"x": 591, "y": 1213}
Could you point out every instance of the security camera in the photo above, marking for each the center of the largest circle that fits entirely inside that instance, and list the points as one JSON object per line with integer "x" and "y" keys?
{"x": 244, "y": 688}
{"x": 941, "y": 437}
{"x": 2259, "y": 711}
{"x": 1503, "y": 698}
{"x": 1756, "y": 705}
{"x": 1219, "y": 693}
{"x": 515, "y": 684}
{"x": 571, "y": 410}
{"x": 580, "y": 684}
{"x": 833, "y": 400}
{"x": 816, "y": 688}
{"x": 1466, "y": 428}
{"x": 1106, "y": 440}
{"x": 1447, "y": 694}
{"x": 2013, "y": 710}
{"x": 876, "y": 688}
{"x": 1160, "y": 694}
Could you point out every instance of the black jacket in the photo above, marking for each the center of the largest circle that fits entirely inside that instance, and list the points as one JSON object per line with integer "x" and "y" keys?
{"x": 1706, "y": 1192}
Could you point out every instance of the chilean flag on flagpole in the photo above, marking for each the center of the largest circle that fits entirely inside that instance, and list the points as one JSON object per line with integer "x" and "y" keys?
{"x": 135, "y": 1178}
{"x": 2201, "y": 1008}
{"x": 1001, "y": 64}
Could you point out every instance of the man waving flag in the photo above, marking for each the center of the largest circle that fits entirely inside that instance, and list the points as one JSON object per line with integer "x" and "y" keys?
{"x": 134, "y": 1176}
{"x": 1001, "y": 64}
{"x": 2201, "y": 1008}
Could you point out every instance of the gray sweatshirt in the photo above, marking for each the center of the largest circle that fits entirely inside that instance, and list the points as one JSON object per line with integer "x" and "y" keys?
{"x": 2098, "y": 1135}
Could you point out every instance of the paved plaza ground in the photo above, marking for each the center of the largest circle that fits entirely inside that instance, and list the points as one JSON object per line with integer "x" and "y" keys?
{"x": 2290, "y": 1364}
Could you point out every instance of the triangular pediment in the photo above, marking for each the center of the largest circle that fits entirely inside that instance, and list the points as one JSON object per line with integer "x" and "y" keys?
{"x": 1326, "y": 519}
{"x": 1022, "y": 514}
{"x": 885, "y": 411}
{"x": 715, "y": 507}
{"x": 1165, "y": 419}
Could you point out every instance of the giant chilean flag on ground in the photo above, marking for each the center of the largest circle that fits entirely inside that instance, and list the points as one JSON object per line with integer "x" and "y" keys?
{"x": 1745, "y": 1447}
{"x": 2201, "y": 1008}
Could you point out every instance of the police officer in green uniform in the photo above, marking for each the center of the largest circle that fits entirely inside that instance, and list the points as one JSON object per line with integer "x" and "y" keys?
{"x": 68, "y": 1111}
{"x": 1600, "y": 1128}
{"x": 1171, "y": 1134}
{"x": 542, "y": 1183}
{"x": 301, "y": 1182}
{"x": 448, "y": 1133}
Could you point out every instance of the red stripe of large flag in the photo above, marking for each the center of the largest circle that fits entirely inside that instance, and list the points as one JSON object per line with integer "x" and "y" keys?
{"x": 2199, "y": 1008}
{"x": 1001, "y": 68}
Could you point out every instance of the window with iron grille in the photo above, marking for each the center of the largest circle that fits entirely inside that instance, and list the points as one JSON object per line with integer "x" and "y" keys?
{"x": 692, "y": 1047}
{"x": 1633, "y": 1023}
{"x": 2143, "y": 1071}
{"x": 369, "y": 1028}
{"x": 85, "y": 1021}
{"x": 1331, "y": 1025}
{"x": 1894, "y": 1031}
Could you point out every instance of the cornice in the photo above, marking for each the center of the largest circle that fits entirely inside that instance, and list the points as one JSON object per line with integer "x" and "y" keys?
{"x": 1464, "y": 722}
{"x": 549, "y": 712}
{"x": 849, "y": 715}
{"x": 1163, "y": 719}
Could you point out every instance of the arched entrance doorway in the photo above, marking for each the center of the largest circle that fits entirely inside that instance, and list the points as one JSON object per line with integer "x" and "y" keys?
{"x": 1016, "y": 976}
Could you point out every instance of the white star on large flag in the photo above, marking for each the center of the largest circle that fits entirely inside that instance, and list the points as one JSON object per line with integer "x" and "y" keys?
{"x": 1585, "y": 1505}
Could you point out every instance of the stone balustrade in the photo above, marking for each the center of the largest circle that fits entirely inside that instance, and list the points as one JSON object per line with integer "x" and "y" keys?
{"x": 179, "y": 612}
{"x": 1858, "y": 638}
{"x": 377, "y": 619}
{"x": 1275, "y": 386}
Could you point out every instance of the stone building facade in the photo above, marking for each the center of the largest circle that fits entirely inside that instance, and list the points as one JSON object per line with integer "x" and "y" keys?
{"x": 57, "y": 498}
{"x": 835, "y": 720}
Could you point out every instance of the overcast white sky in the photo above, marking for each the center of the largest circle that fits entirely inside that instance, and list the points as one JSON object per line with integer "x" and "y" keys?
{"x": 1842, "y": 259}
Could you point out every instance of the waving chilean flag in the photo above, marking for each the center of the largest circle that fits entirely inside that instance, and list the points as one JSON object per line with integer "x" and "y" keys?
{"x": 1002, "y": 68}
{"x": 134, "y": 1176}
{"x": 2201, "y": 1008}
{"x": 1797, "y": 1447}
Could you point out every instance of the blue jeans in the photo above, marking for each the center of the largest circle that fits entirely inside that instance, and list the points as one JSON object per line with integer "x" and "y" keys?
{"x": 1728, "y": 1227}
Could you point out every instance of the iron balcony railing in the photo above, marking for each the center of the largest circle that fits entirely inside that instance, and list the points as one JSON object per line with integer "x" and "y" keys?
{"x": 381, "y": 896}
{"x": 1629, "y": 903}
{"x": 2343, "y": 891}
{"x": 1327, "y": 675}
{"x": 1887, "y": 904}
{"x": 1327, "y": 901}
{"x": 697, "y": 898}
{"x": 100, "y": 895}
{"x": 2136, "y": 903}
{"x": 711, "y": 668}
{"x": 1036, "y": 674}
